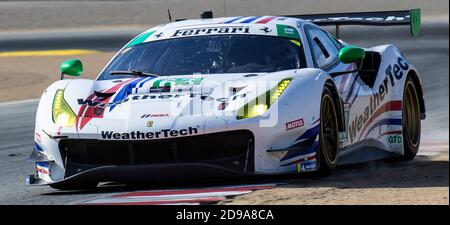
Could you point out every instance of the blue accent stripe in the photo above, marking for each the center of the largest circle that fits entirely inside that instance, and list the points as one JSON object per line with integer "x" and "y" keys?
{"x": 38, "y": 147}
{"x": 251, "y": 19}
{"x": 382, "y": 122}
{"x": 293, "y": 154}
{"x": 141, "y": 83}
{"x": 125, "y": 91}
{"x": 145, "y": 81}
{"x": 351, "y": 89}
{"x": 310, "y": 133}
{"x": 235, "y": 19}
{"x": 42, "y": 164}
{"x": 133, "y": 84}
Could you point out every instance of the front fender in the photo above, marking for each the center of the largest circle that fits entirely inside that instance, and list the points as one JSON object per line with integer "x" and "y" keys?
{"x": 306, "y": 92}
{"x": 45, "y": 128}
{"x": 44, "y": 119}
{"x": 300, "y": 101}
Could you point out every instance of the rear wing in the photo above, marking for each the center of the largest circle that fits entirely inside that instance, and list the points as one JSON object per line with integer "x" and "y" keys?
{"x": 382, "y": 18}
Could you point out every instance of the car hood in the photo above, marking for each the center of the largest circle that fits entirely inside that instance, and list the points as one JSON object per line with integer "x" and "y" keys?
{"x": 155, "y": 103}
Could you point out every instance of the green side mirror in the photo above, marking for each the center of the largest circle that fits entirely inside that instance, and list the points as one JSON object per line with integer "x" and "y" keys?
{"x": 72, "y": 67}
{"x": 351, "y": 54}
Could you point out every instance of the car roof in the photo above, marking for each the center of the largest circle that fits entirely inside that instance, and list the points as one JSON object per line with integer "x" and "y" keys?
{"x": 243, "y": 20}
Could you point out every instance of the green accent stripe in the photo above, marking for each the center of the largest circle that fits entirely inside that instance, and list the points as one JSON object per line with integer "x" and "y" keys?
{"x": 163, "y": 82}
{"x": 139, "y": 39}
{"x": 167, "y": 84}
{"x": 156, "y": 83}
{"x": 197, "y": 81}
{"x": 181, "y": 81}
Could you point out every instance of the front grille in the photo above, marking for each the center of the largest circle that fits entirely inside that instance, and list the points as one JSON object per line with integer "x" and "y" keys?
{"x": 228, "y": 149}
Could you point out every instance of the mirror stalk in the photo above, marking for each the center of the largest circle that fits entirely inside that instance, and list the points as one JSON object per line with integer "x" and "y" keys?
{"x": 345, "y": 72}
{"x": 350, "y": 54}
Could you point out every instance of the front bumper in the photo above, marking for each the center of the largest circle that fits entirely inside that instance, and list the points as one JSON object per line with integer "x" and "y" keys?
{"x": 144, "y": 173}
{"x": 210, "y": 155}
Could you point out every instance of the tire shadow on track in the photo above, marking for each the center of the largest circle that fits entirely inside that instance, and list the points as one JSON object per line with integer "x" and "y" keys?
{"x": 424, "y": 171}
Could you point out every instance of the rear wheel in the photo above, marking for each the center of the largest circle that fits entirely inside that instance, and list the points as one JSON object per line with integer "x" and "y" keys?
{"x": 410, "y": 120}
{"x": 328, "y": 135}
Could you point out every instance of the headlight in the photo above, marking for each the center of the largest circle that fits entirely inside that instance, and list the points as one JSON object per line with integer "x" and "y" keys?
{"x": 62, "y": 113}
{"x": 262, "y": 103}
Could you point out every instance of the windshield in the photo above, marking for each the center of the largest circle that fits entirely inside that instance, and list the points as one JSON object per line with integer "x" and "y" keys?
{"x": 209, "y": 55}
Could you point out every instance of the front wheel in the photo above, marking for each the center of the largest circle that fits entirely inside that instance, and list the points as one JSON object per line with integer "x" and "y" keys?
{"x": 328, "y": 135}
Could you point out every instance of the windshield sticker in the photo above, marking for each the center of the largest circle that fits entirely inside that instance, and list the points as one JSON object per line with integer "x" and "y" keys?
{"x": 210, "y": 31}
{"x": 259, "y": 26}
{"x": 287, "y": 31}
{"x": 139, "y": 39}
{"x": 225, "y": 29}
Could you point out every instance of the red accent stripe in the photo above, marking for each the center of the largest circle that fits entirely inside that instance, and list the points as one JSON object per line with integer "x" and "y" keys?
{"x": 388, "y": 106}
{"x": 390, "y": 132}
{"x": 189, "y": 191}
{"x": 81, "y": 111}
{"x": 199, "y": 200}
{"x": 42, "y": 171}
{"x": 266, "y": 20}
{"x": 89, "y": 113}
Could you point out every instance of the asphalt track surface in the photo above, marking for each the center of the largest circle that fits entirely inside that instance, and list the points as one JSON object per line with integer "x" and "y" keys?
{"x": 429, "y": 53}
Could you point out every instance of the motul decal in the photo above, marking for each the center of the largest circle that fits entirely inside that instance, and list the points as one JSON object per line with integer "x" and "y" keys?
{"x": 294, "y": 124}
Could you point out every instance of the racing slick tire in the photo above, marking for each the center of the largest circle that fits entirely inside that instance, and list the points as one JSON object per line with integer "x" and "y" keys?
{"x": 410, "y": 120}
{"x": 72, "y": 186}
{"x": 328, "y": 135}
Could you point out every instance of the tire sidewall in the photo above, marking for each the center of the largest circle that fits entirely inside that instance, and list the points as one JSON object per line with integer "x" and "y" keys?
{"x": 325, "y": 165}
{"x": 410, "y": 150}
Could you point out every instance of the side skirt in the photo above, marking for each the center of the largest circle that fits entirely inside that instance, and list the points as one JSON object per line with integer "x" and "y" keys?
{"x": 367, "y": 150}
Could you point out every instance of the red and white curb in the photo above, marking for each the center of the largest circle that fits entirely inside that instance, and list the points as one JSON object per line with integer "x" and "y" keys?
{"x": 178, "y": 196}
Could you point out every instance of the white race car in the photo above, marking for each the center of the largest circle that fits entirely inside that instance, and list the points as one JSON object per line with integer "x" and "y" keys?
{"x": 228, "y": 97}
